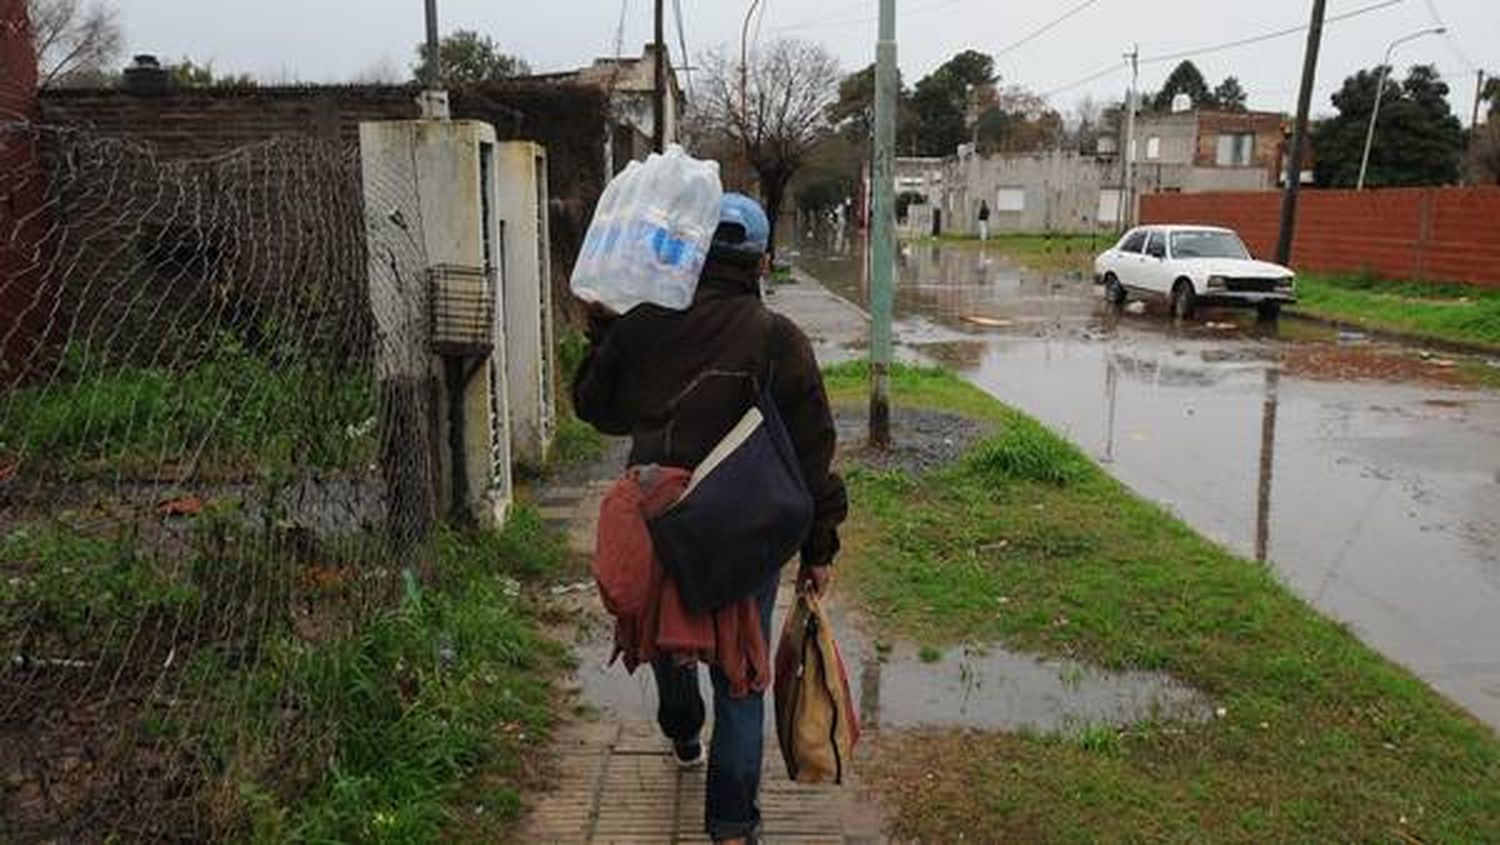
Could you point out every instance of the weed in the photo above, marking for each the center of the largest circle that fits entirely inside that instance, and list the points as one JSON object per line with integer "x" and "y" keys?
{"x": 1090, "y": 572}
{"x": 1099, "y": 739}
{"x": 1026, "y": 451}
{"x": 235, "y": 407}
{"x": 1442, "y": 311}
{"x": 930, "y": 654}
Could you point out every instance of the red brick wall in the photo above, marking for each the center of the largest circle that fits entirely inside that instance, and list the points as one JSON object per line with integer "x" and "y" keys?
{"x": 1436, "y": 234}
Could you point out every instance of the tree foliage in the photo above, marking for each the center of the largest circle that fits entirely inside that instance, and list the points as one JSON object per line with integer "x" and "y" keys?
{"x": 469, "y": 57}
{"x": 190, "y": 74}
{"x": 940, "y": 103}
{"x": 1418, "y": 140}
{"x": 1229, "y": 95}
{"x": 781, "y": 115}
{"x": 75, "y": 43}
{"x": 1184, "y": 79}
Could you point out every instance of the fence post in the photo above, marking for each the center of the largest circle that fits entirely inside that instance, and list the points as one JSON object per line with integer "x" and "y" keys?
{"x": 1424, "y": 233}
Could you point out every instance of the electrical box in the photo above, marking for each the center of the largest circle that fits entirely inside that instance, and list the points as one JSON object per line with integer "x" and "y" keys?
{"x": 436, "y": 273}
{"x": 526, "y": 321}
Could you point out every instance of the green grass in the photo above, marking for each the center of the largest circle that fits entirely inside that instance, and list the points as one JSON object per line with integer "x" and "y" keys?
{"x": 428, "y": 711}
{"x": 233, "y": 410}
{"x": 1440, "y": 311}
{"x": 1322, "y": 739}
{"x": 389, "y": 724}
{"x": 1046, "y": 253}
{"x": 576, "y": 441}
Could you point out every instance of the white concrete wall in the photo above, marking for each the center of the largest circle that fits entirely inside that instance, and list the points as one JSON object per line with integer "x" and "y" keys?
{"x": 528, "y": 332}
{"x": 1061, "y": 192}
{"x": 422, "y": 201}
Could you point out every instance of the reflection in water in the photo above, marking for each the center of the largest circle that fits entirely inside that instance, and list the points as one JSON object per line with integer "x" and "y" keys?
{"x": 1267, "y": 458}
{"x": 969, "y": 686}
{"x": 1377, "y": 465}
{"x": 1111, "y": 390}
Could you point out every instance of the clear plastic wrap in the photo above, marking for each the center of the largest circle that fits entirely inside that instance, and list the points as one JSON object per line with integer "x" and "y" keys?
{"x": 650, "y": 233}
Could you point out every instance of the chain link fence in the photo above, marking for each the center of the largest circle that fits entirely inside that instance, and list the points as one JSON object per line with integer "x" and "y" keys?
{"x": 203, "y": 477}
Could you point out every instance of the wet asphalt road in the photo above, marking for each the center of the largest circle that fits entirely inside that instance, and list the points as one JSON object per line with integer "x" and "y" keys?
{"x": 1366, "y": 472}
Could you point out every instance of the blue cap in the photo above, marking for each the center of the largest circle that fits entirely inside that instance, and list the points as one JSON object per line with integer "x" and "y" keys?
{"x": 740, "y": 211}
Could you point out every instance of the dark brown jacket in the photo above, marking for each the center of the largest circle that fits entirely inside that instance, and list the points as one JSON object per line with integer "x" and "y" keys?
{"x": 677, "y": 381}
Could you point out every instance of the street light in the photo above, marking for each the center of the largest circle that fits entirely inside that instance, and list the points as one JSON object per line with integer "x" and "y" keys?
{"x": 1364, "y": 162}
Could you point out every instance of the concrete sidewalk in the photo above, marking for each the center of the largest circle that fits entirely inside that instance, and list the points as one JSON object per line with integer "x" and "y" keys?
{"x": 614, "y": 779}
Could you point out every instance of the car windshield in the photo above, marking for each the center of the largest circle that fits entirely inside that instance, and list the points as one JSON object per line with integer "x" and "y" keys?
{"x": 1207, "y": 244}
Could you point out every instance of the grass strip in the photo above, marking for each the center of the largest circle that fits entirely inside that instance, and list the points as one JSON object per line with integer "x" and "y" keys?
{"x": 1456, "y": 313}
{"x": 1045, "y": 253}
{"x": 1026, "y": 540}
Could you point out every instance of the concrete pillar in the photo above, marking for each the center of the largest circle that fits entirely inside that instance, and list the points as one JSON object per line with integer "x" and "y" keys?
{"x": 23, "y": 217}
{"x": 430, "y": 210}
{"x": 527, "y": 324}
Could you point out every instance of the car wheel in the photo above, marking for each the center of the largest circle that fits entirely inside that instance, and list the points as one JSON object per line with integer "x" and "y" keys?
{"x": 1268, "y": 312}
{"x": 1183, "y": 299}
{"x": 1114, "y": 292}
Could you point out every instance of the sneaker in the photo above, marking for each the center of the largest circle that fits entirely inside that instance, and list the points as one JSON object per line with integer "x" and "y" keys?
{"x": 689, "y": 753}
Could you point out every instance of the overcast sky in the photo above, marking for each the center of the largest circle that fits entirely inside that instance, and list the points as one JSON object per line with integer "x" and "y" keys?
{"x": 339, "y": 40}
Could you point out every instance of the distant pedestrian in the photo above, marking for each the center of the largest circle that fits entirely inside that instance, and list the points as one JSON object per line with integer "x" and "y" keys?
{"x": 676, "y": 382}
{"x": 984, "y": 220}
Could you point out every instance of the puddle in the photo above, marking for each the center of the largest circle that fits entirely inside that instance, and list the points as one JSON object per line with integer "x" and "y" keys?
{"x": 1362, "y": 468}
{"x": 968, "y": 687}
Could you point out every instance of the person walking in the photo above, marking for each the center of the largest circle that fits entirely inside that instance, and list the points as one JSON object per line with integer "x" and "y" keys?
{"x": 984, "y": 220}
{"x": 676, "y": 382}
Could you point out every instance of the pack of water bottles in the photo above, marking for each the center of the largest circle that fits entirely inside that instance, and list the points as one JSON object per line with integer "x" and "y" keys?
{"x": 650, "y": 233}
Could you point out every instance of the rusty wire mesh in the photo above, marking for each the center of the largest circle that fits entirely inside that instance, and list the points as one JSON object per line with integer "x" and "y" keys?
{"x": 202, "y": 474}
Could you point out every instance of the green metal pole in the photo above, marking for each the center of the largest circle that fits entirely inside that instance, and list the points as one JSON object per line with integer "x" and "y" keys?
{"x": 883, "y": 228}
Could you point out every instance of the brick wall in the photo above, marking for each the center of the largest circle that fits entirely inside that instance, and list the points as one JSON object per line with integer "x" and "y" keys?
{"x": 1437, "y": 234}
{"x": 1266, "y": 128}
{"x": 570, "y": 120}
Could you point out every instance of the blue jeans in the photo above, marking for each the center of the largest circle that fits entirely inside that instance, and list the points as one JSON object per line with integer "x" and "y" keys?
{"x": 734, "y": 755}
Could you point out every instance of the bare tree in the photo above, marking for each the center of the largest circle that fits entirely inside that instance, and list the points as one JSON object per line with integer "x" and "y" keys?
{"x": 75, "y": 43}
{"x": 774, "y": 108}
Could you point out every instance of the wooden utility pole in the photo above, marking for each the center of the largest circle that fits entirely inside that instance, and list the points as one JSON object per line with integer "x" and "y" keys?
{"x": 1299, "y": 136}
{"x": 659, "y": 100}
{"x": 1478, "y": 97}
{"x": 1134, "y": 56}
{"x": 434, "y": 78}
{"x": 883, "y": 229}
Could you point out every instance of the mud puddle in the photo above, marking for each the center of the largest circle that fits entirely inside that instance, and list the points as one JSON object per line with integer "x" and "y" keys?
{"x": 900, "y": 686}
{"x": 1364, "y": 469}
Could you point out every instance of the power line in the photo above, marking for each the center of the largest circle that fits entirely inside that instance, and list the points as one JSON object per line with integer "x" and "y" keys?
{"x": 1448, "y": 36}
{"x": 863, "y": 19}
{"x": 1113, "y": 67}
{"x": 836, "y": 13}
{"x": 687, "y": 65}
{"x": 1268, "y": 36}
{"x": 1044, "y": 28}
{"x": 1228, "y": 45}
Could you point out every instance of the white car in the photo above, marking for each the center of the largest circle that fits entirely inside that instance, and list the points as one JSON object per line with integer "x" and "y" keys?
{"x": 1192, "y": 265}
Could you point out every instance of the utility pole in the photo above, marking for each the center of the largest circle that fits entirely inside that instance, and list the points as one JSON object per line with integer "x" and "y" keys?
{"x": 434, "y": 59}
{"x": 659, "y": 98}
{"x": 745, "y": 62}
{"x": 1478, "y": 96}
{"x": 1299, "y": 136}
{"x": 882, "y": 229}
{"x": 1130, "y": 105}
{"x": 434, "y": 99}
{"x": 1385, "y": 71}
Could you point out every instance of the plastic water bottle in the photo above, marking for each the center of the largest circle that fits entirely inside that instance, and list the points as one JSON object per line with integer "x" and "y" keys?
{"x": 650, "y": 233}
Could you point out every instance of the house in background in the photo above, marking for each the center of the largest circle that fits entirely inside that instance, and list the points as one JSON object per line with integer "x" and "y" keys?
{"x": 1066, "y": 192}
{"x": 631, "y": 86}
{"x": 1197, "y": 151}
